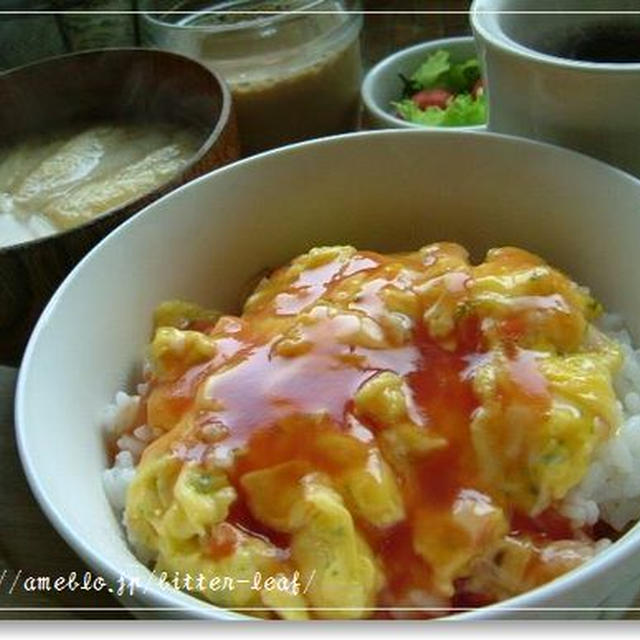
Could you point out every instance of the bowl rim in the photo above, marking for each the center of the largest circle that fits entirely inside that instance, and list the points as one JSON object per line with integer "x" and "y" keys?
{"x": 380, "y": 69}
{"x": 479, "y": 13}
{"x": 609, "y": 559}
{"x": 264, "y": 20}
{"x": 213, "y": 134}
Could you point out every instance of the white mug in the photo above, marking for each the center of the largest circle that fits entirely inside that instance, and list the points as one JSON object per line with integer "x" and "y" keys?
{"x": 544, "y": 83}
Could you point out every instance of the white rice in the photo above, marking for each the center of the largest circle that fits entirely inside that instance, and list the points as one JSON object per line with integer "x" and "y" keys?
{"x": 119, "y": 416}
{"x": 609, "y": 491}
{"x": 117, "y": 480}
{"x": 611, "y": 488}
{"x": 117, "y": 420}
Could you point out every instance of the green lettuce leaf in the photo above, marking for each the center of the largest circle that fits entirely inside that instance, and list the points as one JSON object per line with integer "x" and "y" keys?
{"x": 462, "y": 111}
{"x": 437, "y": 71}
{"x": 408, "y": 110}
{"x": 465, "y": 110}
{"x": 462, "y": 76}
{"x": 428, "y": 74}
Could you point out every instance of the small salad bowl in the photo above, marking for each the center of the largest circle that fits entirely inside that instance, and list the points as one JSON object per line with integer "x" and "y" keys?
{"x": 383, "y": 86}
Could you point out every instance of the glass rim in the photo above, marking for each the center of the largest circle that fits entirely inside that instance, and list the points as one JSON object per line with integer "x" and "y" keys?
{"x": 219, "y": 6}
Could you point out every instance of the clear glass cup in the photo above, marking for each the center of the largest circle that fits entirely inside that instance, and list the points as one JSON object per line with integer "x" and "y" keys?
{"x": 293, "y": 67}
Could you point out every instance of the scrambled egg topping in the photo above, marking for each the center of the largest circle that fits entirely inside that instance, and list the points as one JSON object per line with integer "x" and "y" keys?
{"x": 398, "y": 429}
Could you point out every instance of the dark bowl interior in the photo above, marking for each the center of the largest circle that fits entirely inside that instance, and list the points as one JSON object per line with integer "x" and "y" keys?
{"x": 125, "y": 85}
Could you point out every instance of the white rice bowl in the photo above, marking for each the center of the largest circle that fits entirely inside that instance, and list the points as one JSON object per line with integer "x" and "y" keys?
{"x": 385, "y": 190}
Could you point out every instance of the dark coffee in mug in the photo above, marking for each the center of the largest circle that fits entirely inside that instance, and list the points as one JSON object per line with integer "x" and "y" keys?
{"x": 613, "y": 42}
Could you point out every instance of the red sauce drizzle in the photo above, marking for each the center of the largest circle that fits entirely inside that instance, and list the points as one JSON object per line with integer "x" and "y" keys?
{"x": 548, "y": 525}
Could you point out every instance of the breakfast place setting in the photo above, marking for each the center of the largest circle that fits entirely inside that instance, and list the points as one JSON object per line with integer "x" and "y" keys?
{"x": 320, "y": 310}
